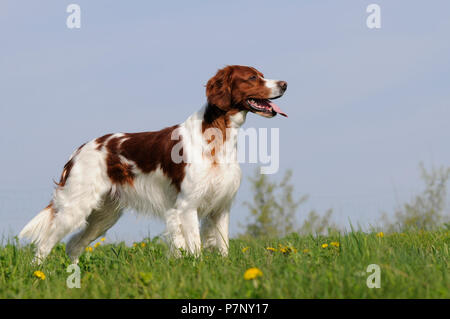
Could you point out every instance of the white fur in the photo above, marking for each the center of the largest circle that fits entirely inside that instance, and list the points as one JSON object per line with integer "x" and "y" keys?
{"x": 91, "y": 202}
{"x": 275, "y": 89}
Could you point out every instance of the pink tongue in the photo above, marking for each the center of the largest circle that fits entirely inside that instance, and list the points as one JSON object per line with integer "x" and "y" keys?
{"x": 276, "y": 108}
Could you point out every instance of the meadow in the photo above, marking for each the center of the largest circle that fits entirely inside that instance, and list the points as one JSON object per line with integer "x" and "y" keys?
{"x": 412, "y": 265}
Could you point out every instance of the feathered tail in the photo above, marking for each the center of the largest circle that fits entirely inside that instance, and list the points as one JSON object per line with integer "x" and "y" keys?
{"x": 38, "y": 229}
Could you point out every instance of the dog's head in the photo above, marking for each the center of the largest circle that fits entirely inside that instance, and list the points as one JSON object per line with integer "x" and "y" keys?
{"x": 242, "y": 87}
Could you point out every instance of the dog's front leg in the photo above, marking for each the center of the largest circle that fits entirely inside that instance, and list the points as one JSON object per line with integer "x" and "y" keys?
{"x": 174, "y": 230}
{"x": 222, "y": 221}
{"x": 191, "y": 230}
{"x": 215, "y": 231}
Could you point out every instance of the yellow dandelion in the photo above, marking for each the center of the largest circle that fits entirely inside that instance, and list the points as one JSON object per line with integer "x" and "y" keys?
{"x": 134, "y": 245}
{"x": 103, "y": 239}
{"x": 288, "y": 250}
{"x": 324, "y": 245}
{"x": 252, "y": 273}
{"x": 143, "y": 245}
{"x": 97, "y": 244}
{"x": 39, "y": 274}
{"x": 271, "y": 249}
{"x": 89, "y": 249}
{"x": 334, "y": 244}
{"x": 305, "y": 251}
{"x": 245, "y": 249}
{"x": 380, "y": 234}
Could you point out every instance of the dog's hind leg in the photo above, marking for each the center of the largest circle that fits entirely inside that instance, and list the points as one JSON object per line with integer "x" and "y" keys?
{"x": 81, "y": 190}
{"x": 69, "y": 214}
{"x": 98, "y": 222}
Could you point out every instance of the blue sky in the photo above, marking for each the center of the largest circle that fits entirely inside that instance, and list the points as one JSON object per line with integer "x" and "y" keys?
{"x": 365, "y": 106}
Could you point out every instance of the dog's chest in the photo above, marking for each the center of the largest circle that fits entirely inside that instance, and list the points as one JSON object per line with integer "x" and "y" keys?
{"x": 214, "y": 188}
{"x": 212, "y": 177}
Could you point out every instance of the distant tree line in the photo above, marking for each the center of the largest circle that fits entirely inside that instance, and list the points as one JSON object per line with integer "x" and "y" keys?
{"x": 274, "y": 207}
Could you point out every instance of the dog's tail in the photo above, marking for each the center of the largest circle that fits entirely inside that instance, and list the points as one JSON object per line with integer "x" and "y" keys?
{"x": 38, "y": 229}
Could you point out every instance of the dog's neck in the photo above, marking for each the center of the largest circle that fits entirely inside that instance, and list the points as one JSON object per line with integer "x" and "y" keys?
{"x": 214, "y": 117}
{"x": 211, "y": 124}
{"x": 227, "y": 123}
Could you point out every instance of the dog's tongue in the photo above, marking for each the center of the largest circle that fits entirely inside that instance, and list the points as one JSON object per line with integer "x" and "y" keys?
{"x": 276, "y": 108}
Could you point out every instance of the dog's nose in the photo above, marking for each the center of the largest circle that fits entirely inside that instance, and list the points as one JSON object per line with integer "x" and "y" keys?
{"x": 283, "y": 85}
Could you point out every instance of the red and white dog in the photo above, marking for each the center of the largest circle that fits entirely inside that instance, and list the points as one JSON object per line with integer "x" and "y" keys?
{"x": 138, "y": 171}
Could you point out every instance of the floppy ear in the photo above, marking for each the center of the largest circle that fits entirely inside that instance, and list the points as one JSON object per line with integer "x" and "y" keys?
{"x": 218, "y": 89}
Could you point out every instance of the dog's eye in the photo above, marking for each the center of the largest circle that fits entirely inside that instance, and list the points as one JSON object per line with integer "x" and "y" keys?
{"x": 252, "y": 78}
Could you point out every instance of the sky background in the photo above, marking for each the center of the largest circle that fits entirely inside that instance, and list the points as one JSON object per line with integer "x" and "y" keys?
{"x": 365, "y": 106}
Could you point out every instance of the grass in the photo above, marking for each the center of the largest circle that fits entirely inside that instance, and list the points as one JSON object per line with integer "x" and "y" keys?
{"x": 413, "y": 265}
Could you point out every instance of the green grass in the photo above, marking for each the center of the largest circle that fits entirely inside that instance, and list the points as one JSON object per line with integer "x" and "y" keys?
{"x": 413, "y": 265}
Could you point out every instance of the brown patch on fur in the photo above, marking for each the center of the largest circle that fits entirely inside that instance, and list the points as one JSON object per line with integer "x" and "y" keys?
{"x": 148, "y": 151}
{"x": 65, "y": 173}
{"x": 67, "y": 168}
{"x": 217, "y": 119}
{"x": 101, "y": 140}
{"x": 52, "y": 210}
{"x": 118, "y": 172}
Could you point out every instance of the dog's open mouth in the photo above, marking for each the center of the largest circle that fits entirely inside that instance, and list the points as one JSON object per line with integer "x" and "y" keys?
{"x": 265, "y": 107}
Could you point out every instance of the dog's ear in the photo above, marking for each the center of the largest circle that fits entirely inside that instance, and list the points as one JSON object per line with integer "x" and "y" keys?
{"x": 218, "y": 89}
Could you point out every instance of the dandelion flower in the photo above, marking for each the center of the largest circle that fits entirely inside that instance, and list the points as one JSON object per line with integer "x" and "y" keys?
{"x": 288, "y": 250}
{"x": 134, "y": 245}
{"x": 97, "y": 244}
{"x": 89, "y": 249}
{"x": 252, "y": 273}
{"x": 334, "y": 244}
{"x": 103, "y": 239}
{"x": 380, "y": 234}
{"x": 143, "y": 245}
{"x": 324, "y": 245}
{"x": 271, "y": 249}
{"x": 245, "y": 249}
{"x": 39, "y": 274}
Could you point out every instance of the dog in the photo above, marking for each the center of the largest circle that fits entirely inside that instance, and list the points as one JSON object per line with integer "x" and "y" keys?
{"x": 165, "y": 173}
